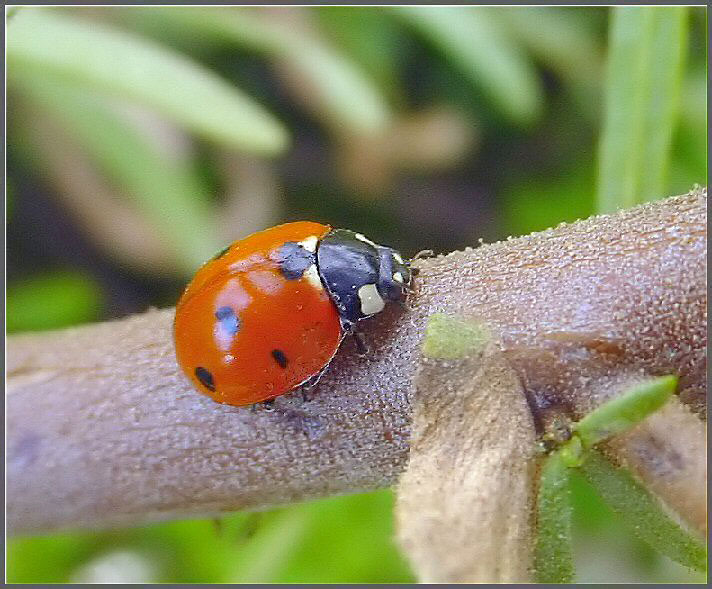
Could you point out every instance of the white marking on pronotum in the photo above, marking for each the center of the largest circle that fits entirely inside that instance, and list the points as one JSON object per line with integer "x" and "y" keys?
{"x": 309, "y": 243}
{"x": 362, "y": 237}
{"x": 397, "y": 257}
{"x": 398, "y": 277}
{"x": 312, "y": 276}
{"x": 371, "y": 301}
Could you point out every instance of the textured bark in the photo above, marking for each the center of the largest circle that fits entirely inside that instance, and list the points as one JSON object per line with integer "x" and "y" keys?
{"x": 103, "y": 430}
{"x": 466, "y": 499}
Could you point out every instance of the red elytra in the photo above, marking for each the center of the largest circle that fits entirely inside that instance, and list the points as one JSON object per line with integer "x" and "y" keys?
{"x": 244, "y": 332}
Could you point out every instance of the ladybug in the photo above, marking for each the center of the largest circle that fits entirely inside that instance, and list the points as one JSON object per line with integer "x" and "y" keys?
{"x": 268, "y": 313}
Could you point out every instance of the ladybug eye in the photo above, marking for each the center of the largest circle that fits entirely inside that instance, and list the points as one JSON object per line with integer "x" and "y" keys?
{"x": 393, "y": 275}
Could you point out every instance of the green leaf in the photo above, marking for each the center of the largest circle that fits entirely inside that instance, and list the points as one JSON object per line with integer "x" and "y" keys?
{"x": 625, "y": 411}
{"x": 166, "y": 190}
{"x": 644, "y": 75}
{"x": 270, "y": 549}
{"x": 48, "y": 559}
{"x": 126, "y": 66}
{"x": 474, "y": 43}
{"x": 563, "y": 40}
{"x": 370, "y": 38}
{"x": 451, "y": 338}
{"x": 553, "y": 561}
{"x": 642, "y": 513}
{"x": 341, "y": 89}
{"x": 50, "y": 301}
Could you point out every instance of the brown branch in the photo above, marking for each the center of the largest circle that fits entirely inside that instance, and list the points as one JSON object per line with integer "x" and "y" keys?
{"x": 103, "y": 430}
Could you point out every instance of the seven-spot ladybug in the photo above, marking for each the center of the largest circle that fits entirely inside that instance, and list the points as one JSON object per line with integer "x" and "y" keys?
{"x": 268, "y": 313}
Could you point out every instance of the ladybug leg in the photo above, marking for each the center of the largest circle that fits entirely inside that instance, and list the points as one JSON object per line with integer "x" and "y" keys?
{"x": 361, "y": 345}
{"x": 310, "y": 384}
{"x": 404, "y": 305}
{"x": 267, "y": 405}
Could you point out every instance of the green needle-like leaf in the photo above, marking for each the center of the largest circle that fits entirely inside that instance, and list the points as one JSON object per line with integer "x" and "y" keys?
{"x": 625, "y": 411}
{"x": 643, "y": 513}
{"x": 451, "y": 338}
{"x": 167, "y": 191}
{"x": 476, "y": 44}
{"x": 645, "y": 65}
{"x": 43, "y": 41}
{"x": 553, "y": 562}
{"x": 342, "y": 91}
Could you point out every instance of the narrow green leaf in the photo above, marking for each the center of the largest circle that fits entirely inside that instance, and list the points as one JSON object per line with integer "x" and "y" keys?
{"x": 553, "y": 561}
{"x": 165, "y": 189}
{"x": 451, "y": 338}
{"x": 564, "y": 40}
{"x": 625, "y": 411}
{"x": 644, "y": 74}
{"x": 642, "y": 513}
{"x": 343, "y": 91}
{"x": 371, "y": 39}
{"x": 267, "y": 554}
{"x": 128, "y": 66}
{"x": 51, "y": 301}
{"x": 483, "y": 52}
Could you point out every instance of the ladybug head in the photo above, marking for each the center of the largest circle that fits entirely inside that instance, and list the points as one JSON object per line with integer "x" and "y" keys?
{"x": 393, "y": 275}
{"x": 360, "y": 276}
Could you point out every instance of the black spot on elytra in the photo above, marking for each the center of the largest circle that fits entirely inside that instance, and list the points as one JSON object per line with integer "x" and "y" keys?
{"x": 221, "y": 253}
{"x": 205, "y": 378}
{"x": 293, "y": 260}
{"x": 280, "y": 358}
{"x": 229, "y": 322}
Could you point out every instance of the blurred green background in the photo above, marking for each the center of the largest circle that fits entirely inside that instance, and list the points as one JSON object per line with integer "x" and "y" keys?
{"x": 142, "y": 140}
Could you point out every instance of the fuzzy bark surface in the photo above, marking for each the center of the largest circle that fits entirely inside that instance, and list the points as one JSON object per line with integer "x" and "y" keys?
{"x": 103, "y": 429}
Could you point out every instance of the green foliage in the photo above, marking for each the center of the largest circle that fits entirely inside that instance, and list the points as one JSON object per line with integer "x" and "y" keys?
{"x": 329, "y": 541}
{"x": 477, "y": 44}
{"x": 167, "y": 190}
{"x": 553, "y": 561}
{"x": 622, "y": 413}
{"x": 371, "y": 39}
{"x": 535, "y": 204}
{"x": 46, "y": 44}
{"x": 50, "y": 301}
{"x": 645, "y": 66}
{"x": 338, "y": 84}
{"x": 643, "y": 514}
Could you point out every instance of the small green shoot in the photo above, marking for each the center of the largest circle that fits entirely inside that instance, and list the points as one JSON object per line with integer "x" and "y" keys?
{"x": 624, "y": 412}
{"x": 448, "y": 338}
